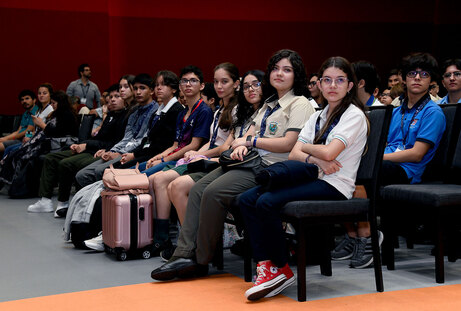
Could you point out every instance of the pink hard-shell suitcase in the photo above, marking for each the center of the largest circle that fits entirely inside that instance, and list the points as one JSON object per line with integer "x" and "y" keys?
{"x": 127, "y": 225}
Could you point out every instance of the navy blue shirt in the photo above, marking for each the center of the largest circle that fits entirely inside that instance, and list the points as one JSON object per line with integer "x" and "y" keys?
{"x": 197, "y": 125}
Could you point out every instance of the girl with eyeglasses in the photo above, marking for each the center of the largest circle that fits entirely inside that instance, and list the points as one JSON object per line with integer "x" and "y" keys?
{"x": 226, "y": 82}
{"x": 249, "y": 101}
{"x": 334, "y": 140}
{"x": 273, "y": 133}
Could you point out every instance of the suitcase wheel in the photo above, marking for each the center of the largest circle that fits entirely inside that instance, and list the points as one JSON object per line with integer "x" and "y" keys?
{"x": 121, "y": 255}
{"x": 146, "y": 254}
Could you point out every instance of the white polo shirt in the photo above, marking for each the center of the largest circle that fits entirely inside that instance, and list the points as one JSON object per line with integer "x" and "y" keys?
{"x": 351, "y": 130}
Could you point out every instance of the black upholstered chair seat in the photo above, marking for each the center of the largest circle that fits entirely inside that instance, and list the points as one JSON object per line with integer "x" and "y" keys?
{"x": 434, "y": 195}
{"x": 302, "y": 209}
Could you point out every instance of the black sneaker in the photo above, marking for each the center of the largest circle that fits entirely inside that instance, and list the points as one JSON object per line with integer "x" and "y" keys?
{"x": 345, "y": 249}
{"x": 158, "y": 247}
{"x": 363, "y": 252}
{"x": 167, "y": 253}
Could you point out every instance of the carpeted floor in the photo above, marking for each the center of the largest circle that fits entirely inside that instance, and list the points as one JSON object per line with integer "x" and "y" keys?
{"x": 225, "y": 292}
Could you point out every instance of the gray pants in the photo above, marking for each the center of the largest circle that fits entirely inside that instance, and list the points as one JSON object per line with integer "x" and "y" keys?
{"x": 93, "y": 172}
{"x": 207, "y": 207}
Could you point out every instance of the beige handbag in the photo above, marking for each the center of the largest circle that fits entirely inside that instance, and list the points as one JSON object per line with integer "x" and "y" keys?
{"x": 125, "y": 179}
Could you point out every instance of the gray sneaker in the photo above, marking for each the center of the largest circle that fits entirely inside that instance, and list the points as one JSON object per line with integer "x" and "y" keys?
{"x": 363, "y": 252}
{"x": 344, "y": 250}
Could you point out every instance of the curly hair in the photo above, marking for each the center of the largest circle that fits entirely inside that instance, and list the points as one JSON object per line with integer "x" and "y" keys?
{"x": 424, "y": 61}
{"x": 300, "y": 79}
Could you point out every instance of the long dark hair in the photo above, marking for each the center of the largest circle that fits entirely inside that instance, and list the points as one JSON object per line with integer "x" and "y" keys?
{"x": 244, "y": 108}
{"x": 300, "y": 79}
{"x": 63, "y": 102}
{"x": 130, "y": 79}
{"x": 225, "y": 121}
{"x": 350, "y": 98}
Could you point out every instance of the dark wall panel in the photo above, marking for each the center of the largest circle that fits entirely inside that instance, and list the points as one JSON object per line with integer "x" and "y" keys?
{"x": 42, "y": 40}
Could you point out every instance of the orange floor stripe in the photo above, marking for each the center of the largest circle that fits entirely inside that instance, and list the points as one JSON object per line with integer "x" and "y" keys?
{"x": 225, "y": 292}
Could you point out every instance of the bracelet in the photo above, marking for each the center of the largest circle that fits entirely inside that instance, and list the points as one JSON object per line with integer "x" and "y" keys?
{"x": 162, "y": 159}
{"x": 248, "y": 141}
{"x": 307, "y": 158}
{"x": 254, "y": 141}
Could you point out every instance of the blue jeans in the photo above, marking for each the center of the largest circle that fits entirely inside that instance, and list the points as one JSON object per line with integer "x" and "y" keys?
{"x": 11, "y": 148}
{"x": 153, "y": 169}
{"x": 261, "y": 214}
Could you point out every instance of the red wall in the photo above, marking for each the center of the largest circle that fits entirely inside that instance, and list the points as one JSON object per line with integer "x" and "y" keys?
{"x": 45, "y": 41}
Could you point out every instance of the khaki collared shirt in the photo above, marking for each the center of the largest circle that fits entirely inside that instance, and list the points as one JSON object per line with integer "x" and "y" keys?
{"x": 293, "y": 113}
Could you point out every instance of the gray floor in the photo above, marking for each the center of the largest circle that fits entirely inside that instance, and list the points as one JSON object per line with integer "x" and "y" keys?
{"x": 35, "y": 261}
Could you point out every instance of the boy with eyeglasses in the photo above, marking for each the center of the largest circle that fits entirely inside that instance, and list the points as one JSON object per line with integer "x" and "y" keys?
{"x": 416, "y": 129}
{"x": 451, "y": 69}
{"x": 192, "y": 125}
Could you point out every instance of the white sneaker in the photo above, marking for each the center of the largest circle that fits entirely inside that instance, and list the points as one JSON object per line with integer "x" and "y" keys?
{"x": 44, "y": 205}
{"x": 61, "y": 209}
{"x": 95, "y": 243}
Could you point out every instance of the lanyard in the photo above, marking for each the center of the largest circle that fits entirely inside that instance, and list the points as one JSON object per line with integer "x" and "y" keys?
{"x": 418, "y": 110}
{"x": 241, "y": 130}
{"x": 180, "y": 132}
{"x": 323, "y": 139}
{"x": 267, "y": 114}
{"x": 87, "y": 89}
{"x": 215, "y": 129}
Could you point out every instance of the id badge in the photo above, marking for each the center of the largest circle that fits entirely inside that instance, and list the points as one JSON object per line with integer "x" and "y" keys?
{"x": 400, "y": 148}
{"x": 146, "y": 145}
{"x": 83, "y": 100}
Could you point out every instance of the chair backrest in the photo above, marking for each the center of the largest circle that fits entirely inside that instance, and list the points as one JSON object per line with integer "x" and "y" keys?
{"x": 7, "y": 124}
{"x": 16, "y": 122}
{"x": 457, "y": 156}
{"x": 86, "y": 125}
{"x": 451, "y": 174}
{"x": 444, "y": 154}
{"x": 380, "y": 118}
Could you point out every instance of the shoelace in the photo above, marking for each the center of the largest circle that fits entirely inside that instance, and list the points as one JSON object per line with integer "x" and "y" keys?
{"x": 261, "y": 270}
{"x": 361, "y": 249}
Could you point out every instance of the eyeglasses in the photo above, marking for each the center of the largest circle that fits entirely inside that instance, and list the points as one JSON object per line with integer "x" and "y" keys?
{"x": 253, "y": 85}
{"x": 456, "y": 75}
{"x": 192, "y": 81}
{"x": 329, "y": 81}
{"x": 422, "y": 74}
{"x": 312, "y": 84}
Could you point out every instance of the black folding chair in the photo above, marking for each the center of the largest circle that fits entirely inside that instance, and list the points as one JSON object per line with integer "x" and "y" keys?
{"x": 305, "y": 213}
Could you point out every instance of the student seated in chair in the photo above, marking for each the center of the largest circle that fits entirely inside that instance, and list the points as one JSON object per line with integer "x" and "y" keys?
{"x": 415, "y": 132}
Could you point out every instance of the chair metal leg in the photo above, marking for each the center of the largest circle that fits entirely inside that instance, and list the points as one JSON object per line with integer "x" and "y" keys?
{"x": 218, "y": 258}
{"x": 376, "y": 257}
{"x": 247, "y": 266}
{"x": 301, "y": 262}
{"x": 439, "y": 264}
{"x": 325, "y": 259}
{"x": 388, "y": 247}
